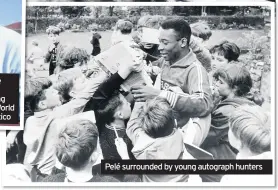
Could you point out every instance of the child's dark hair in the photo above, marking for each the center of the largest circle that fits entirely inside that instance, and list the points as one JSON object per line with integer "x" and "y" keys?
{"x": 125, "y": 26}
{"x": 105, "y": 111}
{"x": 35, "y": 85}
{"x": 69, "y": 56}
{"x": 255, "y": 96}
{"x": 237, "y": 77}
{"x": 157, "y": 118}
{"x": 76, "y": 143}
{"x": 32, "y": 87}
{"x": 64, "y": 86}
{"x": 36, "y": 92}
{"x": 229, "y": 50}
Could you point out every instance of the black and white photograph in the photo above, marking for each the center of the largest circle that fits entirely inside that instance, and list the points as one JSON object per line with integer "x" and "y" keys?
{"x": 143, "y": 83}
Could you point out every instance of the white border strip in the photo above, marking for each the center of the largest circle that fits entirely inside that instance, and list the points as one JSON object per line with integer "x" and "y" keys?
{"x": 273, "y": 88}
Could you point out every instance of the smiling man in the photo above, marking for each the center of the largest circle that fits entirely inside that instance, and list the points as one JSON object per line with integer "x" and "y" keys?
{"x": 184, "y": 81}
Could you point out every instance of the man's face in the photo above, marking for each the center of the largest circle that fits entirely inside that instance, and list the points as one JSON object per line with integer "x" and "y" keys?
{"x": 170, "y": 46}
{"x": 54, "y": 38}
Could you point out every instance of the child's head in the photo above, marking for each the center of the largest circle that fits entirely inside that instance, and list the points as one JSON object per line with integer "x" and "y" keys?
{"x": 32, "y": 87}
{"x": 53, "y": 33}
{"x": 201, "y": 30}
{"x": 70, "y": 57}
{"x": 44, "y": 97}
{"x": 149, "y": 21}
{"x": 77, "y": 142}
{"x": 70, "y": 82}
{"x": 157, "y": 118}
{"x": 35, "y": 85}
{"x": 225, "y": 52}
{"x": 115, "y": 108}
{"x": 250, "y": 129}
{"x": 64, "y": 86}
{"x": 233, "y": 80}
{"x": 124, "y": 26}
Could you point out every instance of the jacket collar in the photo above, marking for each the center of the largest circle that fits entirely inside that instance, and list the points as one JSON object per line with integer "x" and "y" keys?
{"x": 186, "y": 60}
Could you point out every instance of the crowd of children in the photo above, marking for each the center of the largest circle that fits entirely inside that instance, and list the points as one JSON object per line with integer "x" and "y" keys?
{"x": 80, "y": 114}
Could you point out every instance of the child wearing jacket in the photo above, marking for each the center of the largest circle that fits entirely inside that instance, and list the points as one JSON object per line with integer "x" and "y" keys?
{"x": 153, "y": 133}
{"x": 233, "y": 83}
{"x": 250, "y": 133}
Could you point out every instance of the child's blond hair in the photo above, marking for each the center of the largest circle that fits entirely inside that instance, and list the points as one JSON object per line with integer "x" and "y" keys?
{"x": 157, "y": 118}
{"x": 201, "y": 30}
{"x": 53, "y": 30}
{"x": 251, "y": 126}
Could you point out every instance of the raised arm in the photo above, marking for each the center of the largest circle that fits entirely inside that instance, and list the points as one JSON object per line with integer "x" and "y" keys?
{"x": 202, "y": 54}
{"x": 134, "y": 128}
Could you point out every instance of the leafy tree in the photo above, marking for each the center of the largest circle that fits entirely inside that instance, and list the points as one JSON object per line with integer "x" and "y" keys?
{"x": 77, "y": 11}
{"x": 37, "y": 12}
{"x": 96, "y": 11}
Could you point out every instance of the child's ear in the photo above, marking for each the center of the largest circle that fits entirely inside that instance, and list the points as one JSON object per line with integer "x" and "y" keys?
{"x": 94, "y": 156}
{"x": 119, "y": 114}
{"x": 42, "y": 105}
{"x": 72, "y": 93}
{"x": 235, "y": 89}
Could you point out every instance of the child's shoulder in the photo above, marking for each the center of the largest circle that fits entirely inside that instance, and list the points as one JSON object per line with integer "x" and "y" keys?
{"x": 30, "y": 119}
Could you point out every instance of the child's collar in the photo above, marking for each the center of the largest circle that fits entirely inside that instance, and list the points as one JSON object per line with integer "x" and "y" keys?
{"x": 42, "y": 113}
{"x": 78, "y": 177}
{"x": 112, "y": 128}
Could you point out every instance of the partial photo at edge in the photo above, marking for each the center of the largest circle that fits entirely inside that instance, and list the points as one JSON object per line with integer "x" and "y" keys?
{"x": 11, "y": 65}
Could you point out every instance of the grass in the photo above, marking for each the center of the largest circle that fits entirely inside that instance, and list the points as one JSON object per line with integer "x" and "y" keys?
{"x": 82, "y": 39}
